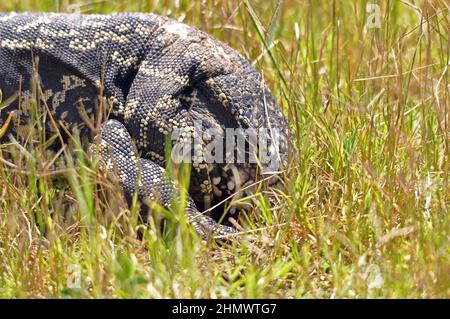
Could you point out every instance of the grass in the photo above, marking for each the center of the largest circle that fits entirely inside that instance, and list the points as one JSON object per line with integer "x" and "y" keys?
{"x": 365, "y": 211}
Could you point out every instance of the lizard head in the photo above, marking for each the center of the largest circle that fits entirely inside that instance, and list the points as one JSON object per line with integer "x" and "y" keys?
{"x": 243, "y": 139}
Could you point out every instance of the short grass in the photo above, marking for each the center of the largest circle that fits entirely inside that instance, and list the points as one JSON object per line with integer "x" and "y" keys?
{"x": 365, "y": 208}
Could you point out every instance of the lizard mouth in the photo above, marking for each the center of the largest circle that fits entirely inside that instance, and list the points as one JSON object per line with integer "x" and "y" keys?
{"x": 230, "y": 193}
{"x": 233, "y": 192}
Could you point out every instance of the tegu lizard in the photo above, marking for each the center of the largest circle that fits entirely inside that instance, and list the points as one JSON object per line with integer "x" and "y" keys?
{"x": 159, "y": 77}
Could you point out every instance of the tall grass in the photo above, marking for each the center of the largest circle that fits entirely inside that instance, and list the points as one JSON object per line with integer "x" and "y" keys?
{"x": 365, "y": 209}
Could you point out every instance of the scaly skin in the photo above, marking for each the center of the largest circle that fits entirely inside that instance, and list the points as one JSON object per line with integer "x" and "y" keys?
{"x": 158, "y": 75}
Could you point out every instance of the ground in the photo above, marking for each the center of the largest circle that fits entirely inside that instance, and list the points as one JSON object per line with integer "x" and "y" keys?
{"x": 364, "y": 213}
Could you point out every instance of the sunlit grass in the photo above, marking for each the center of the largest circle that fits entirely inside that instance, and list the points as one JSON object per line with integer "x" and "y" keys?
{"x": 365, "y": 208}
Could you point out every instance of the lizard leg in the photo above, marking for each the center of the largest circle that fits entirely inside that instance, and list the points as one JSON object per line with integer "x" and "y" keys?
{"x": 118, "y": 155}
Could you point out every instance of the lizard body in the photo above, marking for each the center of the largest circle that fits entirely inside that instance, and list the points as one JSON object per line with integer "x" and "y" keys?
{"x": 158, "y": 76}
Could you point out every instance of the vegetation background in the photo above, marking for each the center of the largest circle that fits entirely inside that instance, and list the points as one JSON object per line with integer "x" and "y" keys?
{"x": 365, "y": 85}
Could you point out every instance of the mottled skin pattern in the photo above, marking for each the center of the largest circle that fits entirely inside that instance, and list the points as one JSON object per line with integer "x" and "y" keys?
{"x": 157, "y": 75}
